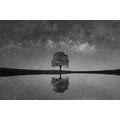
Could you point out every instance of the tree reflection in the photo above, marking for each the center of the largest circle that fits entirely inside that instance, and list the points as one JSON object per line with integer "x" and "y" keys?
{"x": 60, "y": 84}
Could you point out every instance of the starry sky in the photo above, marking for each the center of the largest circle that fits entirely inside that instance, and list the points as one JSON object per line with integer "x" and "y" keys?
{"x": 31, "y": 44}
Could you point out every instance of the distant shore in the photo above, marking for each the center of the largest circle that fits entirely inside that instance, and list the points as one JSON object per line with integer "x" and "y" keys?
{"x": 4, "y": 72}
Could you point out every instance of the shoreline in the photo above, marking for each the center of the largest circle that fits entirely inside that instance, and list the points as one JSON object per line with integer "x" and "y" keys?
{"x": 4, "y": 72}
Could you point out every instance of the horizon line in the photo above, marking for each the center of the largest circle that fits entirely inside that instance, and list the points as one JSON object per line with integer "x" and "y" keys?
{"x": 4, "y": 72}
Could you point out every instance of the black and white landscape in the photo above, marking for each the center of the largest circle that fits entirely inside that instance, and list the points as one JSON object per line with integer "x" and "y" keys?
{"x": 59, "y": 60}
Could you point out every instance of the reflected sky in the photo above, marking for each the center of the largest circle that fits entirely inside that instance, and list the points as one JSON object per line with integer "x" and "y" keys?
{"x": 80, "y": 87}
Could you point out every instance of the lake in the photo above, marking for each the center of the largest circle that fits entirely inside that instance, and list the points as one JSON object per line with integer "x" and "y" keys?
{"x": 66, "y": 87}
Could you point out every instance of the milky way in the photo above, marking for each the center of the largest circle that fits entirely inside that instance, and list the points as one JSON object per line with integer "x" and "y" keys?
{"x": 36, "y": 40}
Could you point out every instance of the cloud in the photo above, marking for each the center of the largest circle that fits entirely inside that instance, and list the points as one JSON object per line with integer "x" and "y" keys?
{"x": 50, "y": 44}
{"x": 84, "y": 47}
{"x": 78, "y": 36}
{"x": 77, "y": 46}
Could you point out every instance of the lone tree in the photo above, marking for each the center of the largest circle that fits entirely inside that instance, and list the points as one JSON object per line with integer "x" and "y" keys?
{"x": 60, "y": 59}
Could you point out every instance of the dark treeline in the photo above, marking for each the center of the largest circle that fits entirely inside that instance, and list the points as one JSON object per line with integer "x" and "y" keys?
{"x": 4, "y": 72}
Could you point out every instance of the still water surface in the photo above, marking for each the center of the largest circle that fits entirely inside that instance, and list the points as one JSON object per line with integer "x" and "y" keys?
{"x": 50, "y": 87}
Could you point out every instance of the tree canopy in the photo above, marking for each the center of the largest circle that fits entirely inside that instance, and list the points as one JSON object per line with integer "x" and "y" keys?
{"x": 60, "y": 59}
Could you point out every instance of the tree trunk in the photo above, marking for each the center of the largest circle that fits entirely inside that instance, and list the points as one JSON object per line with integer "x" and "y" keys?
{"x": 60, "y": 70}
{"x": 60, "y": 67}
{"x": 60, "y": 76}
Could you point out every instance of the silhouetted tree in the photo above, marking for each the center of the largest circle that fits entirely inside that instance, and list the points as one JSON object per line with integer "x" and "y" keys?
{"x": 60, "y": 59}
{"x": 60, "y": 84}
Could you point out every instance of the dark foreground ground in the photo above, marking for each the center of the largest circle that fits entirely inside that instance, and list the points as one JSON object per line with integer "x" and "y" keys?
{"x": 4, "y": 72}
